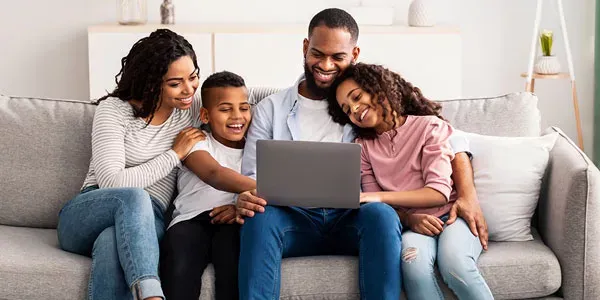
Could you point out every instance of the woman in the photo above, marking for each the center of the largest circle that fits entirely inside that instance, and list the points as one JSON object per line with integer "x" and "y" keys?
{"x": 141, "y": 132}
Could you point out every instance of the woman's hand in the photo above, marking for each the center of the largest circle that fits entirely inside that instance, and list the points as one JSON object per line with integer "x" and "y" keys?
{"x": 185, "y": 140}
{"x": 425, "y": 224}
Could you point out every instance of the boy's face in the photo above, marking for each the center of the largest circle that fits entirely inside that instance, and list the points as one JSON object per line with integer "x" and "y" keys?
{"x": 227, "y": 111}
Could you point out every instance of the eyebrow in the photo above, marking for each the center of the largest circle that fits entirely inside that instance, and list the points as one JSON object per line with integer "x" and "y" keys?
{"x": 180, "y": 78}
{"x": 350, "y": 92}
{"x": 229, "y": 103}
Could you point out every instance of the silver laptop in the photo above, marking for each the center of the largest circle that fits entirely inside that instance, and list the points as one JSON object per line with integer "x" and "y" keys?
{"x": 308, "y": 174}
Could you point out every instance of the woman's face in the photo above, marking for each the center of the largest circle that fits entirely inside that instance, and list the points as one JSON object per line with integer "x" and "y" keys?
{"x": 179, "y": 84}
{"x": 362, "y": 109}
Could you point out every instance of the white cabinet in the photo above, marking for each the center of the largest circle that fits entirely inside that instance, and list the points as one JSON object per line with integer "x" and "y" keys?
{"x": 431, "y": 62}
{"x": 262, "y": 59}
{"x": 106, "y": 49}
{"x": 271, "y": 55}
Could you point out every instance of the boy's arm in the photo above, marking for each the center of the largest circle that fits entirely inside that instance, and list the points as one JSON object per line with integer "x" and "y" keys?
{"x": 217, "y": 176}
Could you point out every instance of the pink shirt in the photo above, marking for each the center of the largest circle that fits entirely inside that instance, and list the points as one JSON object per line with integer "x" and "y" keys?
{"x": 418, "y": 156}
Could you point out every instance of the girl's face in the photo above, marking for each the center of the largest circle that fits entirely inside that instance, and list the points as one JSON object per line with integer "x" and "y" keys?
{"x": 362, "y": 109}
{"x": 179, "y": 84}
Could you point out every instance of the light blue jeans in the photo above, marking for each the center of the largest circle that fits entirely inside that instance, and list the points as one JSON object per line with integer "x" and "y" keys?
{"x": 456, "y": 250}
{"x": 120, "y": 229}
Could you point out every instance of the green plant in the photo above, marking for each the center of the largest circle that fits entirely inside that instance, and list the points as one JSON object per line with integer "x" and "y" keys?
{"x": 546, "y": 42}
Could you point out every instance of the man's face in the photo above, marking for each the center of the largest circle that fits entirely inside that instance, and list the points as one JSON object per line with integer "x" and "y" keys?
{"x": 327, "y": 53}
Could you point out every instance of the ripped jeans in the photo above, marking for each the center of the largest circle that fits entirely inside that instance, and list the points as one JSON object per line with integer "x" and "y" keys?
{"x": 456, "y": 250}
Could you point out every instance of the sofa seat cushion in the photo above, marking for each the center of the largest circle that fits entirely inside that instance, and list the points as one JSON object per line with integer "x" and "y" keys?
{"x": 513, "y": 270}
{"x": 32, "y": 266}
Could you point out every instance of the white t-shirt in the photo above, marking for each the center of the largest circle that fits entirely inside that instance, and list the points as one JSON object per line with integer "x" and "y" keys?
{"x": 195, "y": 196}
{"x": 316, "y": 125}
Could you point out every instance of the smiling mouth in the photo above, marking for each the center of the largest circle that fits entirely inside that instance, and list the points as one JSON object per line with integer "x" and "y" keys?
{"x": 236, "y": 127}
{"x": 324, "y": 76}
{"x": 362, "y": 115}
{"x": 186, "y": 100}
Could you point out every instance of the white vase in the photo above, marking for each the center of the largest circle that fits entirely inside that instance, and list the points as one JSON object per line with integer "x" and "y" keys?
{"x": 547, "y": 65}
{"x": 421, "y": 13}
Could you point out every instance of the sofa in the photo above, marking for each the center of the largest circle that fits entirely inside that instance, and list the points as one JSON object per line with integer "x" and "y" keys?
{"x": 45, "y": 152}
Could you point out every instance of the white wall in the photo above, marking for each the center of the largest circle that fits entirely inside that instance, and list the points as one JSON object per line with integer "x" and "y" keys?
{"x": 43, "y": 50}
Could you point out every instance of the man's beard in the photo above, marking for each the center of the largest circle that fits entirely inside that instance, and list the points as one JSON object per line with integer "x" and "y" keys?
{"x": 311, "y": 84}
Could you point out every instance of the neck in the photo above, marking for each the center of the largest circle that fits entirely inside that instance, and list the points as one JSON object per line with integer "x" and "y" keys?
{"x": 304, "y": 91}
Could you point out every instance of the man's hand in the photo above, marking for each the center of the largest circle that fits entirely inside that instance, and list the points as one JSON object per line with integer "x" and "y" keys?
{"x": 247, "y": 204}
{"x": 425, "y": 224}
{"x": 469, "y": 210}
{"x": 225, "y": 214}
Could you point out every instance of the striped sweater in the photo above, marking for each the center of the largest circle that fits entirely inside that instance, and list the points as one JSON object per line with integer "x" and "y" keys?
{"x": 128, "y": 153}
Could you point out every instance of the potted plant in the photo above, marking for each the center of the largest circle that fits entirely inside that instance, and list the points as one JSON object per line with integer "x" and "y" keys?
{"x": 547, "y": 64}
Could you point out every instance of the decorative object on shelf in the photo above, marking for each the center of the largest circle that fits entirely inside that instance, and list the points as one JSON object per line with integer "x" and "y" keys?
{"x": 421, "y": 13}
{"x": 167, "y": 12}
{"x": 547, "y": 63}
{"x": 132, "y": 12}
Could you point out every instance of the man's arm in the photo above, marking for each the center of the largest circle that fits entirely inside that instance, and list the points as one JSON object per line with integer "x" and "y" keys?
{"x": 261, "y": 128}
{"x": 466, "y": 206}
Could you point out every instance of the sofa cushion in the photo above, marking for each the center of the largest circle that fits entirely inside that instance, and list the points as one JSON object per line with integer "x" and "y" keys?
{"x": 44, "y": 154}
{"x": 32, "y": 266}
{"x": 513, "y": 270}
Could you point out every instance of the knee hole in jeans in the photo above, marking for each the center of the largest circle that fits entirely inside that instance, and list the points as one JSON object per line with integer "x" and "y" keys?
{"x": 409, "y": 254}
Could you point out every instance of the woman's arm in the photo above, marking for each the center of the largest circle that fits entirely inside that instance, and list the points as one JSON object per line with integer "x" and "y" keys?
{"x": 212, "y": 173}
{"x": 108, "y": 154}
{"x": 421, "y": 198}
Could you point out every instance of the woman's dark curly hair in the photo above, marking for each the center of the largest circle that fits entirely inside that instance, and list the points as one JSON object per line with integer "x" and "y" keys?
{"x": 142, "y": 70}
{"x": 382, "y": 83}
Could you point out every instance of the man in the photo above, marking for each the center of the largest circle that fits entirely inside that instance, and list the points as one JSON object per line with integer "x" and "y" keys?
{"x": 271, "y": 233}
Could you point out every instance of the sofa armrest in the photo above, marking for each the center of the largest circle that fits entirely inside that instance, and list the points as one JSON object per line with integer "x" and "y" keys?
{"x": 568, "y": 216}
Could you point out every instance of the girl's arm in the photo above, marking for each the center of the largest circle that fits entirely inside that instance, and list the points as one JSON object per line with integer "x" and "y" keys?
{"x": 367, "y": 177}
{"x": 217, "y": 176}
{"x": 436, "y": 165}
{"x": 108, "y": 153}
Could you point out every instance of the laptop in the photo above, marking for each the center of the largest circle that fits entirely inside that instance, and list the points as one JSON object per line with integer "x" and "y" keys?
{"x": 308, "y": 174}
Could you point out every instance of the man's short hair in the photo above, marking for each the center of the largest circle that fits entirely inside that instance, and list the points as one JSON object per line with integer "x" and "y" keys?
{"x": 334, "y": 18}
{"x": 220, "y": 79}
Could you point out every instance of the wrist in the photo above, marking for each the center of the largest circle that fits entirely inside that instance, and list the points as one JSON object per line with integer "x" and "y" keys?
{"x": 467, "y": 194}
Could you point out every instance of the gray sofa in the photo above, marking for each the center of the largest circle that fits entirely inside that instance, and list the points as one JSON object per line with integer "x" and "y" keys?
{"x": 45, "y": 151}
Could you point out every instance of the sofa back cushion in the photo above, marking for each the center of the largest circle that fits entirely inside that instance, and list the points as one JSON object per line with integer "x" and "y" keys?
{"x": 45, "y": 149}
{"x": 44, "y": 154}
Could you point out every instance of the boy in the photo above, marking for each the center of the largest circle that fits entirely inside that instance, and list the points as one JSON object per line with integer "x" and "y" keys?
{"x": 203, "y": 228}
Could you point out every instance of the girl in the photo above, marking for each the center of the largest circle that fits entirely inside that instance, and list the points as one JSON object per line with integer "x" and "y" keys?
{"x": 141, "y": 132}
{"x": 406, "y": 163}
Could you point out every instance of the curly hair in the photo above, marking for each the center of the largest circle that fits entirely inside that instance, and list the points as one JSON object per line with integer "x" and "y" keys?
{"x": 142, "y": 70}
{"x": 382, "y": 83}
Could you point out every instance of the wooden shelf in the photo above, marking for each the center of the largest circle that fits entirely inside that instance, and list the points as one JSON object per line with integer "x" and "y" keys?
{"x": 562, "y": 75}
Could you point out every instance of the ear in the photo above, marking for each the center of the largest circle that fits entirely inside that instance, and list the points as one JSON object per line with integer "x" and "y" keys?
{"x": 204, "y": 115}
{"x": 355, "y": 53}
{"x": 305, "y": 47}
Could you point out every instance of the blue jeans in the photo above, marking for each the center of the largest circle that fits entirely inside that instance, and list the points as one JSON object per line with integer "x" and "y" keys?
{"x": 372, "y": 232}
{"x": 120, "y": 229}
{"x": 456, "y": 250}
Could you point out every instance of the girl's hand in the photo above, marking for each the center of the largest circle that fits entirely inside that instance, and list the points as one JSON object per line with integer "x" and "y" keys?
{"x": 185, "y": 140}
{"x": 369, "y": 197}
{"x": 425, "y": 224}
{"x": 223, "y": 214}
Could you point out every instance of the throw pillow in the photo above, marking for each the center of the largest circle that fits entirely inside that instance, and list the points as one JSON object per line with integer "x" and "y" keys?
{"x": 508, "y": 174}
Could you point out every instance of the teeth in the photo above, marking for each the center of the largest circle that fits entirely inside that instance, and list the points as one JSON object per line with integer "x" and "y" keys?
{"x": 236, "y": 125}
{"x": 362, "y": 116}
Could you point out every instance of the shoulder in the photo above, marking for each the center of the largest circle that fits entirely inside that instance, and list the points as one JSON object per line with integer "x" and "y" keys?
{"x": 284, "y": 97}
{"x": 428, "y": 122}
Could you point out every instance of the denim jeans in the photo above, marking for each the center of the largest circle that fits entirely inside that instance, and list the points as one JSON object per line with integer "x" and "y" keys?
{"x": 456, "y": 250}
{"x": 120, "y": 229}
{"x": 372, "y": 232}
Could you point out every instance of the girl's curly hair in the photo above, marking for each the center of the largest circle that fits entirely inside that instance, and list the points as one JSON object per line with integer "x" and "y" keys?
{"x": 382, "y": 83}
{"x": 142, "y": 70}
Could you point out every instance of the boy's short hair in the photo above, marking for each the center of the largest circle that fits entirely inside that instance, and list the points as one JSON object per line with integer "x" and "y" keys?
{"x": 220, "y": 79}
